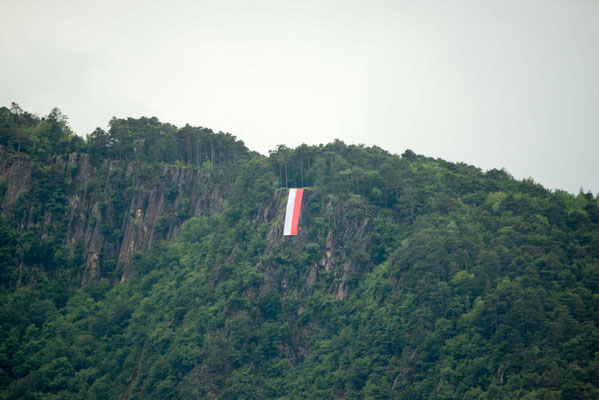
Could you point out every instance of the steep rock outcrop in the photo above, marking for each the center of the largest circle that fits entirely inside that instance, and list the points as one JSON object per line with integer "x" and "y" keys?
{"x": 115, "y": 208}
{"x": 15, "y": 170}
{"x": 336, "y": 238}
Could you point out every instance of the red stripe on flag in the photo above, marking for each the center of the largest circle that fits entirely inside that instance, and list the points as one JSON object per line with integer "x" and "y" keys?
{"x": 296, "y": 210}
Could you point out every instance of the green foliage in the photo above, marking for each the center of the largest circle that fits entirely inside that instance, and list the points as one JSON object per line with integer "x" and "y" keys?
{"x": 149, "y": 140}
{"x": 410, "y": 278}
{"x": 41, "y": 138}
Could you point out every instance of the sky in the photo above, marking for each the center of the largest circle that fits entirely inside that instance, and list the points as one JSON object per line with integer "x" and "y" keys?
{"x": 496, "y": 84}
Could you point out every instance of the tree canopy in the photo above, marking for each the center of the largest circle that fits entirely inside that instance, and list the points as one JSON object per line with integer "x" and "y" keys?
{"x": 411, "y": 277}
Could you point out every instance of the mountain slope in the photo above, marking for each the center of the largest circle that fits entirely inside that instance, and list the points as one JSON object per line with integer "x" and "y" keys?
{"x": 410, "y": 278}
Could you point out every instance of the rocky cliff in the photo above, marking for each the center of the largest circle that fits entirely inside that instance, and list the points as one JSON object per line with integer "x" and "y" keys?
{"x": 111, "y": 209}
{"x": 334, "y": 233}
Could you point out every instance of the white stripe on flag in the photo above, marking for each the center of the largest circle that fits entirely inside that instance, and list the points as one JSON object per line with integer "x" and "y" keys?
{"x": 289, "y": 214}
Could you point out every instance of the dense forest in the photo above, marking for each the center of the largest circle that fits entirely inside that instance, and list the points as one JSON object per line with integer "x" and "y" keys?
{"x": 410, "y": 278}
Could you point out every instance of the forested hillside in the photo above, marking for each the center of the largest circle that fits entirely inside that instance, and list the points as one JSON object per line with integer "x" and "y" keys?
{"x": 410, "y": 278}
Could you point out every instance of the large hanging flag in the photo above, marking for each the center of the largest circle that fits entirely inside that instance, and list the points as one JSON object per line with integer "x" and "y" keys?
{"x": 294, "y": 204}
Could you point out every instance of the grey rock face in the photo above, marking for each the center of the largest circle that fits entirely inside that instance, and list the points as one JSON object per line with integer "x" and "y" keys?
{"x": 118, "y": 207}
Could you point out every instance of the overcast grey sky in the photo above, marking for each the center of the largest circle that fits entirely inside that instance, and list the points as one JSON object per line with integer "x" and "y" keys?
{"x": 511, "y": 84}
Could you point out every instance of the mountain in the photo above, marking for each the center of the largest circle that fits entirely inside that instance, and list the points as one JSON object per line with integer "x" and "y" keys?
{"x": 148, "y": 261}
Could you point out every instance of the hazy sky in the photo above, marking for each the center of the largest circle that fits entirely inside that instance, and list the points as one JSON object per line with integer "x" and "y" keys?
{"x": 511, "y": 84}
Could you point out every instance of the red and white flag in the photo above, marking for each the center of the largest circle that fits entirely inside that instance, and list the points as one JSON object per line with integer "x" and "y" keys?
{"x": 294, "y": 204}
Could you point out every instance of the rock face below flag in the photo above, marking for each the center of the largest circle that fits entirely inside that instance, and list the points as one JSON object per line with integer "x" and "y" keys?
{"x": 294, "y": 204}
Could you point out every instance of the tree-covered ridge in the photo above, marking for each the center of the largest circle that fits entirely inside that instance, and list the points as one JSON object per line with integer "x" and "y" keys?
{"x": 411, "y": 278}
{"x": 143, "y": 139}
{"x": 40, "y": 138}
{"x": 147, "y": 139}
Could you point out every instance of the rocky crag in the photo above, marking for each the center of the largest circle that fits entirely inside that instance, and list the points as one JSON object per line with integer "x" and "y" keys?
{"x": 111, "y": 209}
{"x": 116, "y": 208}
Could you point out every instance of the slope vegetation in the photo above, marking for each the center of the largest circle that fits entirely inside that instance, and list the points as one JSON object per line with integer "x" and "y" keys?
{"x": 410, "y": 278}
